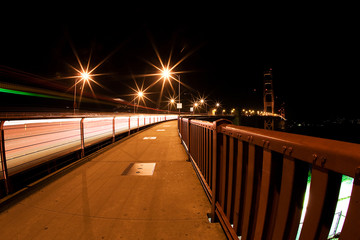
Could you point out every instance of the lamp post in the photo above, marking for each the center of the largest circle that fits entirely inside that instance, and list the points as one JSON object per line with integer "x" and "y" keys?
{"x": 75, "y": 95}
{"x": 179, "y": 91}
{"x": 84, "y": 76}
{"x": 139, "y": 95}
{"x": 172, "y": 101}
{"x": 195, "y": 106}
{"x": 166, "y": 74}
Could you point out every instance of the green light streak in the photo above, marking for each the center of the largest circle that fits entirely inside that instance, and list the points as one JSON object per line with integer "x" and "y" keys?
{"x": 4, "y": 90}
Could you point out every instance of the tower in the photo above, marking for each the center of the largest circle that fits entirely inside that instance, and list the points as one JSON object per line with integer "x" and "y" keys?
{"x": 268, "y": 99}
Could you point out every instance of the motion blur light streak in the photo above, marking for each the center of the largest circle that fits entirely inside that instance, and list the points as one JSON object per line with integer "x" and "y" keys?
{"x": 28, "y": 93}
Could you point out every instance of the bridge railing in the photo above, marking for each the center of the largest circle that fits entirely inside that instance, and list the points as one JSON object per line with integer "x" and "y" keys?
{"x": 256, "y": 179}
{"x": 26, "y": 143}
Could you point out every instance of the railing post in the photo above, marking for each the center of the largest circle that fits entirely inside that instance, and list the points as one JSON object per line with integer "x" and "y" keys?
{"x": 82, "y": 138}
{"x": 113, "y": 133}
{"x": 215, "y": 170}
{"x": 129, "y": 124}
{"x": 138, "y": 122}
{"x": 3, "y": 158}
{"x": 188, "y": 138}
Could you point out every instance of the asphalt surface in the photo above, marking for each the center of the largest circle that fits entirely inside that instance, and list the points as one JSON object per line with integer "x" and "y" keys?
{"x": 97, "y": 201}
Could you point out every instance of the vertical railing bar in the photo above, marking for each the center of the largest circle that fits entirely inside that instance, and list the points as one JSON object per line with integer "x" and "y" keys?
{"x": 3, "y": 158}
{"x": 223, "y": 170}
{"x": 113, "y": 130}
{"x": 288, "y": 174}
{"x": 201, "y": 130}
{"x": 199, "y": 148}
{"x": 230, "y": 180}
{"x": 297, "y": 199}
{"x": 249, "y": 189}
{"x": 129, "y": 125}
{"x": 352, "y": 221}
{"x": 241, "y": 163}
{"x": 206, "y": 132}
{"x": 188, "y": 138}
{"x": 214, "y": 189}
{"x": 216, "y": 128}
{"x": 82, "y": 138}
{"x": 324, "y": 190}
{"x": 211, "y": 132}
{"x": 198, "y": 141}
{"x": 203, "y": 151}
{"x": 138, "y": 122}
{"x": 264, "y": 194}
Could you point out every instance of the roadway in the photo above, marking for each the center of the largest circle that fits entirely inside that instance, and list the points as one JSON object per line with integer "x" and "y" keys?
{"x": 97, "y": 201}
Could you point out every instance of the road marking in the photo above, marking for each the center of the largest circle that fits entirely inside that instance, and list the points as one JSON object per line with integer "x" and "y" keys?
{"x": 139, "y": 169}
{"x": 149, "y": 138}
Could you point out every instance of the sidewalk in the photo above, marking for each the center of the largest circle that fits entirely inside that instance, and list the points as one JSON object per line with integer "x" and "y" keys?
{"x": 97, "y": 201}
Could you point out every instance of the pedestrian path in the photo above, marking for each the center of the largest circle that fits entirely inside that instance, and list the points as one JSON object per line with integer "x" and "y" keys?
{"x": 140, "y": 188}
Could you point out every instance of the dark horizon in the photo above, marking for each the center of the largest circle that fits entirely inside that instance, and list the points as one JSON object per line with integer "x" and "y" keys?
{"x": 225, "y": 56}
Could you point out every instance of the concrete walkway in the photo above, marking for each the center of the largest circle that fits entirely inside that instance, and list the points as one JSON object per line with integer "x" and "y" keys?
{"x": 95, "y": 201}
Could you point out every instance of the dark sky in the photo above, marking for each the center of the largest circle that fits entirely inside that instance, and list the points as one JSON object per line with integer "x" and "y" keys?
{"x": 311, "y": 51}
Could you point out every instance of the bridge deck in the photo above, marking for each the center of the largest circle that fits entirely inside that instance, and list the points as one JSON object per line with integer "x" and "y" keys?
{"x": 95, "y": 201}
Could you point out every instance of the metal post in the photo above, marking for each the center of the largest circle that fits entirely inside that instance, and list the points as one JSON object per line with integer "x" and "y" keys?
{"x": 138, "y": 123}
{"x": 113, "y": 135}
{"x": 75, "y": 96}
{"x": 215, "y": 170}
{"x": 214, "y": 173}
{"x": 179, "y": 91}
{"x": 82, "y": 137}
{"x": 189, "y": 138}
{"x": 129, "y": 125}
{"x": 3, "y": 158}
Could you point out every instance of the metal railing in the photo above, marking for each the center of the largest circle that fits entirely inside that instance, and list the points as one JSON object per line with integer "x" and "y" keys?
{"x": 27, "y": 143}
{"x": 256, "y": 179}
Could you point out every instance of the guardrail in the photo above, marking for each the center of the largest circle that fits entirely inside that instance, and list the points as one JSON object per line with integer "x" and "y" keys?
{"x": 256, "y": 179}
{"x": 27, "y": 143}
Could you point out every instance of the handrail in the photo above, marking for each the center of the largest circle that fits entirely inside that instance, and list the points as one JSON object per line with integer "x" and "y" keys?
{"x": 256, "y": 179}
{"x": 26, "y": 143}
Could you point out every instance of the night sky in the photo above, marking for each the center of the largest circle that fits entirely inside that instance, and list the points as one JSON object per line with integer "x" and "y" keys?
{"x": 227, "y": 48}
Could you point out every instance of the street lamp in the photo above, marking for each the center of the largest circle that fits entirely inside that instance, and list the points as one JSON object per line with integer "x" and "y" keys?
{"x": 172, "y": 101}
{"x": 202, "y": 101}
{"x": 166, "y": 74}
{"x": 139, "y": 95}
{"x": 195, "y": 106}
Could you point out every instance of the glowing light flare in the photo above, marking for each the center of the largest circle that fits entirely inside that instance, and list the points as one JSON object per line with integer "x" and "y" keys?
{"x": 85, "y": 76}
{"x": 166, "y": 74}
{"x": 166, "y": 71}
{"x": 139, "y": 94}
